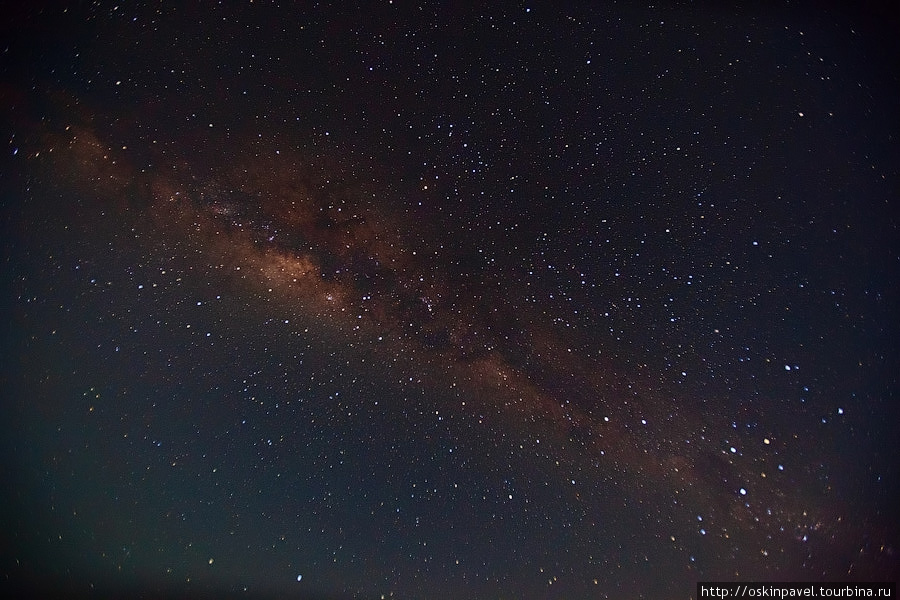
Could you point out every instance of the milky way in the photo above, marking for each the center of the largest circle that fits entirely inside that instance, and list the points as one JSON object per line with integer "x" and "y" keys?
{"x": 330, "y": 253}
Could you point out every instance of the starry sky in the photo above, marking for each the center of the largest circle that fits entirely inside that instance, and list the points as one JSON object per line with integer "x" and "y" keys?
{"x": 440, "y": 300}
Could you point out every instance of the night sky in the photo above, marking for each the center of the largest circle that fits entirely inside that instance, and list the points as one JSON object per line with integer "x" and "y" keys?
{"x": 448, "y": 301}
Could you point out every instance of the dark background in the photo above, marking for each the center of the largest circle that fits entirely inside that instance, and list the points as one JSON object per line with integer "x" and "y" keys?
{"x": 588, "y": 300}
